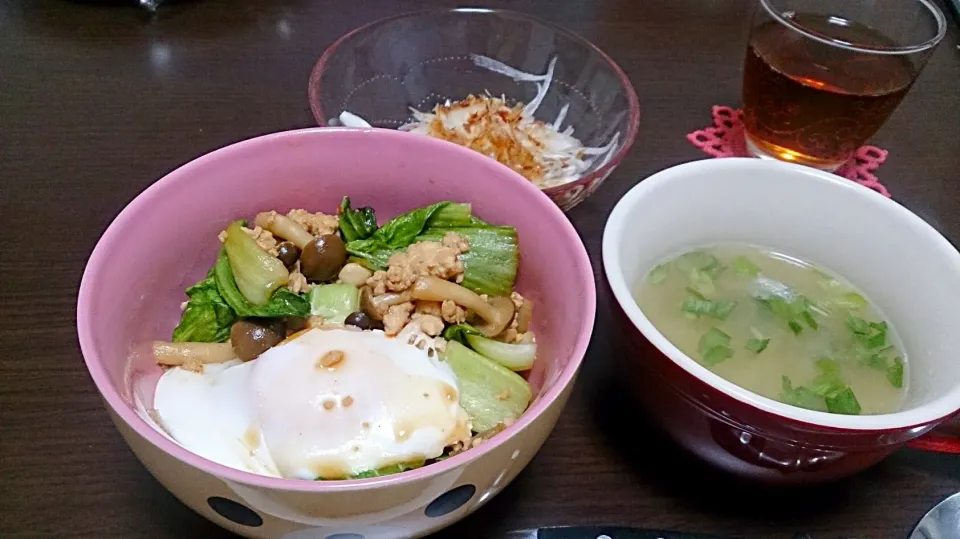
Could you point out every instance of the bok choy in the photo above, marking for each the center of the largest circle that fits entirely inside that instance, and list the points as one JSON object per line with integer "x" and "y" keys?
{"x": 334, "y": 302}
{"x": 490, "y": 264}
{"x": 282, "y": 303}
{"x": 489, "y": 393}
{"x": 356, "y": 224}
{"x": 516, "y": 357}
{"x": 207, "y": 317}
{"x": 255, "y": 271}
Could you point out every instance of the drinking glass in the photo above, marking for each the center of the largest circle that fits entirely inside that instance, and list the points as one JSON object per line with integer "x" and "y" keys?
{"x": 821, "y": 76}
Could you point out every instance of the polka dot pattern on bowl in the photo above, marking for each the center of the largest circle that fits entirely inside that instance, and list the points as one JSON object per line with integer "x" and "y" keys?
{"x": 235, "y": 512}
{"x": 450, "y": 501}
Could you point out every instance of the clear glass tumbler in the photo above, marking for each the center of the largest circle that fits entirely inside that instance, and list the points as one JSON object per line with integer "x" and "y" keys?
{"x": 821, "y": 76}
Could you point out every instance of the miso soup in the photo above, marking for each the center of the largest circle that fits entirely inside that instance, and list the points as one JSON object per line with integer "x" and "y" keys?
{"x": 779, "y": 327}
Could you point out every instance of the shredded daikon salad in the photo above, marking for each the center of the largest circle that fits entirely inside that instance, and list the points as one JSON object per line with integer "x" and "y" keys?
{"x": 542, "y": 152}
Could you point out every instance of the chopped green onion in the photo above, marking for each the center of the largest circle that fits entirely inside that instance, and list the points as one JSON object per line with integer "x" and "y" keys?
{"x": 722, "y": 308}
{"x": 714, "y": 270}
{"x": 659, "y": 274}
{"x": 716, "y": 355}
{"x": 828, "y": 382}
{"x": 828, "y": 366}
{"x": 858, "y": 325}
{"x": 879, "y": 337}
{"x": 795, "y": 313}
{"x": 697, "y": 306}
{"x": 852, "y": 300}
{"x": 801, "y": 397}
{"x": 757, "y": 345}
{"x": 895, "y": 373}
{"x": 872, "y": 334}
{"x": 876, "y": 360}
{"x": 702, "y": 282}
{"x": 702, "y": 268}
{"x": 693, "y": 292}
{"x": 713, "y": 337}
{"x": 744, "y": 267}
{"x": 779, "y": 306}
{"x": 843, "y": 402}
{"x": 808, "y": 318}
{"x": 715, "y": 347}
{"x": 698, "y": 260}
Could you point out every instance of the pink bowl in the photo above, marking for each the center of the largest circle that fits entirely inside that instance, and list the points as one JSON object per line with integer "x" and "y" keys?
{"x": 166, "y": 239}
{"x": 905, "y": 266}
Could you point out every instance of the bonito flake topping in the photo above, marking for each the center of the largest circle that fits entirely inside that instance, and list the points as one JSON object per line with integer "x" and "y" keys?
{"x": 539, "y": 151}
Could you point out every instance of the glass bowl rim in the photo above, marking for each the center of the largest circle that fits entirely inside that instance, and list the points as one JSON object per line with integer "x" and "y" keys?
{"x": 902, "y": 50}
{"x": 315, "y": 86}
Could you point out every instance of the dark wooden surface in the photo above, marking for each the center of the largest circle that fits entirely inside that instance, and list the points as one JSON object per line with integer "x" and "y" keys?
{"x": 97, "y": 101}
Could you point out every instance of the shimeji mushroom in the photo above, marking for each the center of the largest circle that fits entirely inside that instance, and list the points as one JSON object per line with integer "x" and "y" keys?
{"x": 496, "y": 312}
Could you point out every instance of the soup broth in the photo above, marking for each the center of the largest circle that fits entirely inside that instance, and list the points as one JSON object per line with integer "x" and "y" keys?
{"x": 779, "y": 327}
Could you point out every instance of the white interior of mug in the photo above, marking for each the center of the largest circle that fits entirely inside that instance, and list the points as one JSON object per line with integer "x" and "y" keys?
{"x": 908, "y": 270}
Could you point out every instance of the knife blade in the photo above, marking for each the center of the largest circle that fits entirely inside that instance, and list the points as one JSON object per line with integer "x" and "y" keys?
{"x": 603, "y": 532}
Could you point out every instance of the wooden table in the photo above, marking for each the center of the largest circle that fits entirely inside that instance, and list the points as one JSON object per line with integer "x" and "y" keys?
{"x": 98, "y": 101}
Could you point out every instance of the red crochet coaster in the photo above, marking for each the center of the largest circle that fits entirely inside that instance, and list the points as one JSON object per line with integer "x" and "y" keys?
{"x": 726, "y": 139}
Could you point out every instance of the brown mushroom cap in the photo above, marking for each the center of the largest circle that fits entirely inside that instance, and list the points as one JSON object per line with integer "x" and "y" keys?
{"x": 322, "y": 258}
{"x": 288, "y": 253}
{"x": 250, "y": 337}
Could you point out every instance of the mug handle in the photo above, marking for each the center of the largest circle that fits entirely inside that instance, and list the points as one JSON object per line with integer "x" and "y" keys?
{"x": 936, "y": 443}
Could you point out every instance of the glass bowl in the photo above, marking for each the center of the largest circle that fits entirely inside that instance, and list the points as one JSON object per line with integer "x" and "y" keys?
{"x": 418, "y": 60}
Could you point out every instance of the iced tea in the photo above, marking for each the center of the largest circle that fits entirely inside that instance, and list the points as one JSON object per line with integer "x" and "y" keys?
{"x": 811, "y": 101}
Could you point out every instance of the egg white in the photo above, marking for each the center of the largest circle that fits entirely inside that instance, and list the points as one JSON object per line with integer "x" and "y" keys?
{"x": 289, "y": 413}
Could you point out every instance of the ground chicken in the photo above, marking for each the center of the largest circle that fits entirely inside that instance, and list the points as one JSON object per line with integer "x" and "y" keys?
{"x": 264, "y": 239}
{"x": 453, "y": 313}
{"x": 298, "y": 283}
{"x": 455, "y": 241}
{"x": 397, "y": 316}
{"x": 422, "y": 258}
{"x": 429, "y": 307}
{"x": 378, "y": 283}
{"x": 429, "y": 324}
{"x": 317, "y": 224}
{"x": 509, "y": 335}
{"x": 481, "y": 438}
{"x": 438, "y": 259}
{"x": 512, "y": 334}
{"x": 517, "y": 300}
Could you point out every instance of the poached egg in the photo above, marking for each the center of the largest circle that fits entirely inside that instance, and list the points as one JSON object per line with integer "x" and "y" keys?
{"x": 324, "y": 404}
